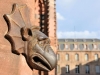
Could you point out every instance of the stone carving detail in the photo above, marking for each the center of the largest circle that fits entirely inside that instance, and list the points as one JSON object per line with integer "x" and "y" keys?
{"x": 26, "y": 39}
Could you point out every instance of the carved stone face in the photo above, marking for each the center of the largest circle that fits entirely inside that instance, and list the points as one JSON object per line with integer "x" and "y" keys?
{"x": 40, "y": 54}
{"x": 28, "y": 40}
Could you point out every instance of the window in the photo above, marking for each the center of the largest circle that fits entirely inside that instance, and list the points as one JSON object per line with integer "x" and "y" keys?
{"x": 97, "y": 68}
{"x": 81, "y": 46}
{"x": 96, "y": 57}
{"x": 62, "y": 46}
{"x": 58, "y": 57}
{"x": 67, "y": 57}
{"x": 86, "y": 57}
{"x": 71, "y": 46}
{"x": 58, "y": 69}
{"x": 91, "y": 46}
{"x": 67, "y": 68}
{"x": 77, "y": 69}
{"x": 76, "y": 57}
{"x": 87, "y": 69}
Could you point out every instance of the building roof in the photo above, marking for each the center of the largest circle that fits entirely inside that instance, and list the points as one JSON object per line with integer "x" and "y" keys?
{"x": 78, "y": 40}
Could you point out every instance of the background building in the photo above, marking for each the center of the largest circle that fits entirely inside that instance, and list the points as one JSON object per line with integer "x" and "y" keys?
{"x": 78, "y": 57}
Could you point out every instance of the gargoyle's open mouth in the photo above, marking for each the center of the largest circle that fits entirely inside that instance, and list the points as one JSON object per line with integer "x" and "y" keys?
{"x": 41, "y": 62}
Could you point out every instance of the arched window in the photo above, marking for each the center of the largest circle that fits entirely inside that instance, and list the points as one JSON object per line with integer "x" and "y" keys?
{"x": 81, "y": 46}
{"x": 90, "y": 46}
{"x": 96, "y": 57}
{"x": 62, "y": 46}
{"x": 67, "y": 57}
{"x": 76, "y": 57}
{"x": 86, "y": 57}
{"x": 71, "y": 46}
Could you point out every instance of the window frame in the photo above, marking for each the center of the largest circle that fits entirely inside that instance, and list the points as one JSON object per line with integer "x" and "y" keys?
{"x": 86, "y": 57}
{"x": 77, "y": 69}
{"x": 87, "y": 71}
{"x": 61, "y": 48}
{"x": 97, "y": 68}
{"x": 96, "y": 57}
{"x": 77, "y": 57}
{"x": 67, "y": 69}
{"x": 72, "y": 46}
{"x": 67, "y": 57}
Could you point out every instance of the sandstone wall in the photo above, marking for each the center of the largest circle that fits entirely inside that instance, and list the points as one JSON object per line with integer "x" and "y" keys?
{"x": 12, "y": 64}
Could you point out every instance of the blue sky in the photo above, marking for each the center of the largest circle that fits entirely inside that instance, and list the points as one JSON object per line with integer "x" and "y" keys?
{"x": 78, "y": 18}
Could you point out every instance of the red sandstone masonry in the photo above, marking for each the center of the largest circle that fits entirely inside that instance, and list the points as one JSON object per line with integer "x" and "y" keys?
{"x": 12, "y": 64}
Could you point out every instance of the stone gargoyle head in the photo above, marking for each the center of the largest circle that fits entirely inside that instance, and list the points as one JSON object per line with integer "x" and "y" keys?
{"x": 26, "y": 39}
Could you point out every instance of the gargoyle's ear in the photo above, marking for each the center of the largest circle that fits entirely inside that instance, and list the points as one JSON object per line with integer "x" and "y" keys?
{"x": 26, "y": 33}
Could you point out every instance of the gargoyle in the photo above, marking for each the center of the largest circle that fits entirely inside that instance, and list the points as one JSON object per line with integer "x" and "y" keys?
{"x": 26, "y": 39}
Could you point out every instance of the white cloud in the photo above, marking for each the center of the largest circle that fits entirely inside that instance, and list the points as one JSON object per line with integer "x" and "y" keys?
{"x": 81, "y": 34}
{"x": 59, "y": 16}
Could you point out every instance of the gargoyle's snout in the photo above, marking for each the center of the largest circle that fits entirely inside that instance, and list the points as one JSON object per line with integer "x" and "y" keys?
{"x": 45, "y": 58}
{"x": 41, "y": 56}
{"x": 51, "y": 57}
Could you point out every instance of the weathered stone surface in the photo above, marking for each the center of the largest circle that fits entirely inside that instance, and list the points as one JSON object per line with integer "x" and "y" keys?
{"x": 6, "y": 7}
{"x": 28, "y": 39}
{"x": 12, "y": 64}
